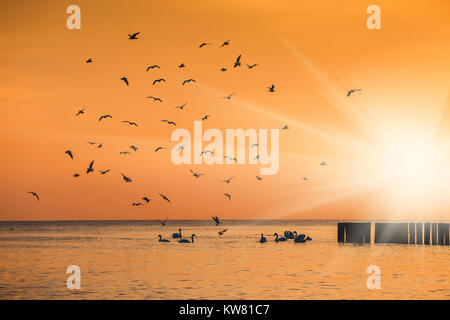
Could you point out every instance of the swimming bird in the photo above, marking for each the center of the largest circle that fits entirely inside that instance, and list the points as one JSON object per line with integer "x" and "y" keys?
{"x": 187, "y": 81}
{"x": 225, "y": 43}
{"x": 125, "y": 79}
{"x": 161, "y": 239}
{"x": 133, "y": 36}
{"x": 146, "y": 199}
{"x": 252, "y": 66}
{"x": 177, "y": 235}
{"x": 271, "y": 88}
{"x": 136, "y": 204}
{"x": 299, "y": 238}
{"x": 186, "y": 240}
{"x": 228, "y": 196}
{"x": 164, "y": 197}
{"x": 216, "y": 220}
{"x": 91, "y": 167}
{"x": 152, "y": 67}
{"x": 182, "y": 106}
{"x": 130, "y": 123}
{"x": 277, "y": 239}
{"x": 262, "y": 239}
{"x": 181, "y": 66}
{"x": 104, "y": 117}
{"x": 195, "y": 174}
{"x": 34, "y": 194}
{"x": 206, "y": 117}
{"x": 104, "y": 172}
{"x": 227, "y": 180}
{"x": 134, "y": 148}
{"x": 259, "y": 178}
{"x": 89, "y": 60}
{"x": 69, "y": 153}
{"x": 204, "y": 44}
{"x": 237, "y": 63}
{"x": 159, "y": 148}
{"x": 158, "y": 80}
{"x": 222, "y": 232}
{"x": 323, "y": 163}
{"x": 155, "y": 98}
{"x": 285, "y": 127}
{"x": 80, "y": 112}
{"x": 169, "y": 122}
{"x": 229, "y": 96}
{"x": 125, "y": 178}
{"x": 352, "y": 91}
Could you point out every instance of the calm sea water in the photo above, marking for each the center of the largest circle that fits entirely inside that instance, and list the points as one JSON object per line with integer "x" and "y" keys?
{"x": 124, "y": 260}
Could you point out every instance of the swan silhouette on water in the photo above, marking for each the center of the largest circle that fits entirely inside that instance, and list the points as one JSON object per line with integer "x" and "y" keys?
{"x": 277, "y": 239}
{"x": 262, "y": 239}
{"x": 177, "y": 235}
{"x": 300, "y": 238}
{"x": 161, "y": 239}
{"x": 186, "y": 240}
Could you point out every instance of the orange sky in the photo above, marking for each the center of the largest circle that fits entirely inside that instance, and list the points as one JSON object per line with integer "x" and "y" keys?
{"x": 313, "y": 51}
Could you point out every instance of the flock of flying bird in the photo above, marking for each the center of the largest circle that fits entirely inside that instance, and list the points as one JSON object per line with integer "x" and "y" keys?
{"x": 237, "y": 63}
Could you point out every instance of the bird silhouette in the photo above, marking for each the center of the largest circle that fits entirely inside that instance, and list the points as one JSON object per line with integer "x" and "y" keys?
{"x": 89, "y": 60}
{"x": 271, "y": 88}
{"x": 152, "y": 67}
{"x": 125, "y": 178}
{"x": 130, "y": 123}
{"x": 323, "y": 163}
{"x": 80, "y": 112}
{"x": 262, "y": 239}
{"x": 124, "y": 152}
{"x": 231, "y": 158}
{"x": 69, "y": 153}
{"x": 146, "y": 199}
{"x": 187, "y": 81}
{"x": 133, "y": 36}
{"x": 305, "y": 179}
{"x": 159, "y": 148}
{"x": 186, "y": 240}
{"x": 206, "y": 117}
{"x": 136, "y": 204}
{"x": 352, "y": 91}
{"x": 252, "y": 66}
{"x": 177, "y": 234}
{"x": 104, "y": 172}
{"x": 163, "y": 223}
{"x": 204, "y": 44}
{"x": 161, "y": 239}
{"x": 195, "y": 174}
{"x": 237, "y": 63}
{"x": 205, "y": 152}
{"x": 180, "y": 147}
{"x": 91, "y": 167}
{"x": 125, "y": 79}
{"x": 182, "y": 106}
{"x": 221, "y": 232}
{"x": 104, "y": 117}
{"x": 169, "y": 122}
{"x": 134, "y": 148}
{"x": 225, "y": 43}
{"x": 158, "y": 80}
{"x": 223, "y": 69}
{"x": 229, "y": 96}
{"x": 34, "y": 194}
{"x": 254, "y": 145}
{"x": 164, "y": 197}
{"x": 76, "y": 175}
{"x": 155, "y": 98}
{"x": 228, "y": 196}
{"x": 216, "y": 220}
{"x": 181, "y": 66}
{"x": 227, "y": 180}
{"x": 285, "y": 127}
{"x": 259, "y": 178}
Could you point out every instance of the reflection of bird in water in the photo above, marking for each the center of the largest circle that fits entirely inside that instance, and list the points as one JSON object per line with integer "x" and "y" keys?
{"x": 186, "y": 240}
{"x": 34, "y": 194}
{"x": 161, "y": 239}
{"x": 352, "y": 91}
{"x": 216, "y": 220}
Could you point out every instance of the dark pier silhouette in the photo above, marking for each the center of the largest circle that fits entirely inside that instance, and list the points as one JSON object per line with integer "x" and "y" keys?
{"x": 394, "y": 232}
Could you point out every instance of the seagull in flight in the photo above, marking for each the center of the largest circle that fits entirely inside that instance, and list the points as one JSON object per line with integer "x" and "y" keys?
{"x": 125, "y": 79}
{"x": 159, "y": 148}
{"x": 91, "y": 167}
{"x": 237, "y": 63}
{"x": 80, "y": 112}
{"x": 164, "y": 197}
{"x": 152, "y": 67}
{"x": 323, "y": 163}
{"x": 133, "y": 36}
{"x": 259, "y": 178}
{"x": 124, "y": 152}
{"x": 285, "y": 127}
{"x": 181, "y": 66}
{"x": 89, "y": 60}
{"x": 228, "y": 196}
{"x": 225, "y": 43}
{"x": 130, "y": 123}
{"x": 69, "y": 153}
{"x": 352, "y": 91}
{"x": 104, "y": 117}
{"x": 158, "y": 80}
{"x": 135, "y": 204}
{"x": 188, "y": 80}
{"x": 204, "y": 44}
{"x": 254, "y": 145}
{"x": 104, "y": 172}
{"x": 305, "y": 179}
{"x": 34, "y": 194}
{"x": 146, "y": 199}
{"x": 223, "y": 69}
{"x": 271, "y": 88}
{"x": 227, "y": 180}
{"x": 162, "y": 222}
{"x": 134, "y": 148}
{"x": 181, "y": 147}
{"x": 231, "y": 158}
{"x": 229, "y": 96}
{"x": 205, "y": 152}
{"x": 252, "y": 65}
{"x": 125, "y": 178}
{"x": 206, "y": 117}
{"x": 182, "y": 106}
{"x": 195, "y": 174}
{"x": 216, "y": 220}
{"x": 154, "y": 98}
{"x": 169, "y": 122}
{"x": 222, "y": 232}
{"x": 76, "y": 175}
